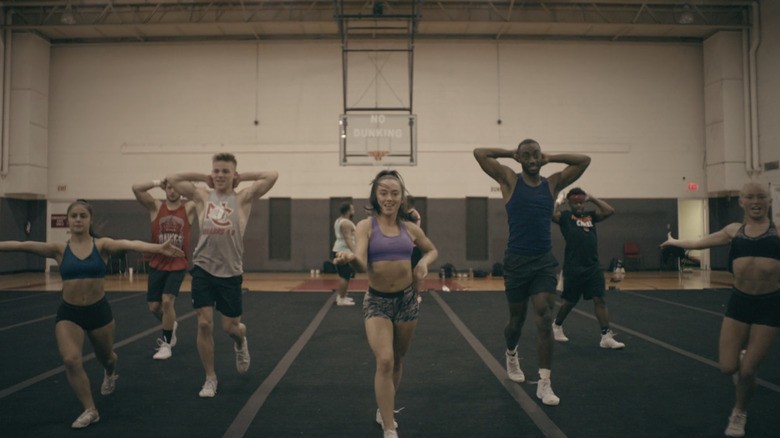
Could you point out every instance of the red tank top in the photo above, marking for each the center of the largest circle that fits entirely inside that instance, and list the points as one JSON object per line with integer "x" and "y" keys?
{"x": 171, "y": 224}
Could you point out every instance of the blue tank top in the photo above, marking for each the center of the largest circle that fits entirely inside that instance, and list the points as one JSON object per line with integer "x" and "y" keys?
{"x": 529, "y": 212}
{"x": 384, "y": 248}
{"x": 766, "y": 245}
{"x": 72, "y": 267}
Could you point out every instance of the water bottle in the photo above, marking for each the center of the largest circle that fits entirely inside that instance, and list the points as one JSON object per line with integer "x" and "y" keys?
{"x": 442, "y": 275}
{"x": 471, "y": 273}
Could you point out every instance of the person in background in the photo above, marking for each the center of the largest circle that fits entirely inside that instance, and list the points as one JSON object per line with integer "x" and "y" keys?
{"x": 171, "y": 219}
{"x": 582, "y": 274}
{"x": 344, "y": 229}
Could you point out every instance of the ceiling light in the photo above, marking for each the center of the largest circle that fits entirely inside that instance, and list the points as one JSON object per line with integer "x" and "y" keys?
{"x": 67, "y": 16}
{"x": 687, "y": 15}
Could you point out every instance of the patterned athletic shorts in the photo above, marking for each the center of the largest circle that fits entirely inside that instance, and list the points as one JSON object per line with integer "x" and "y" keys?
{"x": 400, "y": 306}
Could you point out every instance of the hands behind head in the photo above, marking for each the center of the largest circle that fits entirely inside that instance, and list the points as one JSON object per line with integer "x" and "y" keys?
{"x": 343, "y": 258}
{"x": 170, "y": 250}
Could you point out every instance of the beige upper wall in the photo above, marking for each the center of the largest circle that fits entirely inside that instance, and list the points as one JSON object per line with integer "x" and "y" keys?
{"x": 127, "y": 112}
{"x": 768, "y": 64}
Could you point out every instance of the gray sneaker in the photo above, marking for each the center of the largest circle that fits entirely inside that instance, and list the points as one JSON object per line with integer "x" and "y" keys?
{"x": 242, "y": 356}
{"x": 109, "y": 384}
{"x": 608, "y": 341}
{"x": 558, "y": 333}
{"x": 545, "y": 393}
{"x": 85, "y": 419}
{"x": 736, "y": 425}
{"x": 209, "y": 389}
{"x": 381, "y": 423}
{"x": 513, "y": 368}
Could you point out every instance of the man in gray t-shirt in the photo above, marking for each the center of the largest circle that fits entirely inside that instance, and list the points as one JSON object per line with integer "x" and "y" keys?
{"x": 223, "y": 213}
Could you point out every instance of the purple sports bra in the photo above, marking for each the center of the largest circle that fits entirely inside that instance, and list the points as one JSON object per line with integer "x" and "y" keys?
{"x": 385, "y": 248}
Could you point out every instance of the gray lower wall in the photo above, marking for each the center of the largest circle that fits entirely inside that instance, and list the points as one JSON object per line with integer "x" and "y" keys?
{"x": 641, "y": 220}
{"x": 14, "y": 215}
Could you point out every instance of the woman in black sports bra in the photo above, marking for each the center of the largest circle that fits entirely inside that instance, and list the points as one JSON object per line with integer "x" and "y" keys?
{"x": 84, "y": 307}
{"x": 752, "y": 320}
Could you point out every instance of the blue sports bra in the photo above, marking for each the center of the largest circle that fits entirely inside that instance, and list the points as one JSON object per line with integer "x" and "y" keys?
{"x": 73, "y": 267}
{"x": 385, "y": 248}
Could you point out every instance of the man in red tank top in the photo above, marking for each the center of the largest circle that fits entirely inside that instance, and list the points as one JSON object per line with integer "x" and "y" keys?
{"x": 171, "y": 218}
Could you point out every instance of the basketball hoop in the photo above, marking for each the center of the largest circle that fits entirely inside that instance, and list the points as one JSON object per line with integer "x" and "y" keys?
{"x": 378, "y": 154}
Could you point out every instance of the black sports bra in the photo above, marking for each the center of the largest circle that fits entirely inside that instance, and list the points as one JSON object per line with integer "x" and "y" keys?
{"x": 766, "y": 245}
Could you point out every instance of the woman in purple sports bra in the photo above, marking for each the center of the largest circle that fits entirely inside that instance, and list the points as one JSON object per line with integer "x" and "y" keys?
{"x": 84, "y": 308}
{"x": 384, "y": 243}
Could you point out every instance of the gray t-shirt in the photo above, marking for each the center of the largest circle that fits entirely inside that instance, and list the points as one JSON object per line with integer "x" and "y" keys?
{"x": 220, "y": 248}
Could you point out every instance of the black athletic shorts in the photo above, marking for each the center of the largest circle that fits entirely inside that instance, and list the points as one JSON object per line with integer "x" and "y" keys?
{"x": 754, "y": 309}
{"x": 89, "y": 318}
{"x": 163, "y": 282}
{"x": 223, "y": 293}
{"x": 529, "y": 275}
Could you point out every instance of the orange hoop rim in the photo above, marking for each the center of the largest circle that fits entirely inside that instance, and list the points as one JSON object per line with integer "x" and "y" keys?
{"x": 378, "y": 154}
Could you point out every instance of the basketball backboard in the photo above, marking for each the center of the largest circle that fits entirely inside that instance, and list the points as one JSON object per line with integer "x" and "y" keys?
{"x": 378, "y": 140}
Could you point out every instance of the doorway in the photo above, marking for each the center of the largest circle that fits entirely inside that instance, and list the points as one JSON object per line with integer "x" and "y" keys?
{"x": 693, "y": 222}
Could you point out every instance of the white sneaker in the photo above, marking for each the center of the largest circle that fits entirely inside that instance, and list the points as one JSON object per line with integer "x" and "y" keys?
{"x": 390, "y": 434}
{"x": 558, "y": 333}
{"x": 163, "y": 350}
{"x": 85, "y": 419}
{"x": 513, "y": 368}
{"x": 736, "y": 425}
{"x": 209, "y": 389}
{"x": 109, "y": 384}
{"x": 382, "y": 424}
{"x": 545, "y": 393}
{"x": 346, "y": 301}
{"x": 173, "y": 336}
{"x": 608, "y": 341}
{"x": 242, "y": 356}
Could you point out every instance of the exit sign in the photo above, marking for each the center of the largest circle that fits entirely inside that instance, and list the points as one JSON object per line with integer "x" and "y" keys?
{"x": 693, "y": 187}
{"x": 59, "y": 221}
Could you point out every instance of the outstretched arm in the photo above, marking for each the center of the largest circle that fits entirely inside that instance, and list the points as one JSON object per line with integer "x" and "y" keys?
{"x": 44, "y": 249}
{"x": 111, "y": 246}
{"x": 577, "y": 163}
{"x": 718, "y": 238}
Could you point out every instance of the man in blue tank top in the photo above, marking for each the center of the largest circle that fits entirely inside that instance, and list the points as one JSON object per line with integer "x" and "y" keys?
{"x": 529, "y": 266}
{"x": 218, "y": 270}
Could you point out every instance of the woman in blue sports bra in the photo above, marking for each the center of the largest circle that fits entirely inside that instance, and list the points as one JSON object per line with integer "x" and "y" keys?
{"x": 752, "y": 320}
{"x": 84, "y": 307}
{"x": 383, "y": 248}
